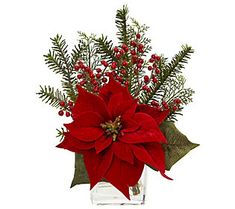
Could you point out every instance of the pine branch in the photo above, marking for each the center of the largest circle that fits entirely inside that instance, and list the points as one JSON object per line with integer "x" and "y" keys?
{"x": 168, "y": 71}
{"x": 51, "y": 96}
{"x": 104, "y": 47}
{"x": 121, "y": 23}
{"x": 59, "y": 61}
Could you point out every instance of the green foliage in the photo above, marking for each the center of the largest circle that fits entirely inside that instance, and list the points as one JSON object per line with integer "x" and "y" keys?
{"x": 51, "y": 96}
{"x": 59, "y": 61}
{"x": 60, "y": 133}
{"x": 80, "y": 172}
{"x": 136, "y": 28}
{"x": 169, "y": 71}
{"x": 176, "y": 89}
{"x": 104, "y": 47}
{"x": 121, "y": 23}
{"x": 178, "y": 144}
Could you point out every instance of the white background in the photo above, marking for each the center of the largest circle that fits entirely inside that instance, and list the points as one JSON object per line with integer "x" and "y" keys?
{"x": 34, "y": 174}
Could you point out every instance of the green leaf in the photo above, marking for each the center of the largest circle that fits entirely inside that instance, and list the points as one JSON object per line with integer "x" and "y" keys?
{"x": 80, "y": 173}
{"x": 178, "y": 144}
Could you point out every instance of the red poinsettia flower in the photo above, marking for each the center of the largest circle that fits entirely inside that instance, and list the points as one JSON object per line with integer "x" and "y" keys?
{"x": 116, "y": 136}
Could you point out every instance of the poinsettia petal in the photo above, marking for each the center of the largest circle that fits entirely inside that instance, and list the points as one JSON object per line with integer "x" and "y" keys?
{"x": 89, "y": 102}
{"x": 123, "y": 152}
{"x": 129, "y": 108}
{"x": 134, "y": 172}
{"x": 113, "y": 87}
{"x": 146, "y": 121}
{"x": 129, "y": 125}
{"x": 122, "y": 174}
{"x": 116, "y": 175}
{"x": 114, "y": 103}
{"x": 74, "y": 145}
{"x": 86, "y": 134}
{"x": 142, "y": 155}
{"x": 158, "y": 115}
{"x": 141, "y": 136}
{"x": 96, "y": 165}
{"x": 102, "y": 143}
{"x": 88, "y": 119}
{"x": 158, "y": 155}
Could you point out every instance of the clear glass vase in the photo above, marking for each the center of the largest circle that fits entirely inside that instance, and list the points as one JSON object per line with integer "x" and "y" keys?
{"x": 105, "y": 193}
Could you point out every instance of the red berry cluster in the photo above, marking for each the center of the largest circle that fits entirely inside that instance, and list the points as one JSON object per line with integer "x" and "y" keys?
{"x": 173, "y": 106}
{"x": 65, "y": 108}
{"x": 155, "y": 71}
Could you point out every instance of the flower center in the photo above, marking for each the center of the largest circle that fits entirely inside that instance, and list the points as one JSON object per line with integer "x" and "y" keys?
{"x": 112, "y": 127}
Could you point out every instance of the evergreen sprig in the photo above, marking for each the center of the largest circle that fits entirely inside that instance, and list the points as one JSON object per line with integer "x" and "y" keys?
{"x": 104, "y": 47}
{"x": 168, "y": 71}
{"x": 51, "y": 96}
{"x": 59, "y": 61}
{"x": 176, "y": 89}
{"x": 121, "y": 23}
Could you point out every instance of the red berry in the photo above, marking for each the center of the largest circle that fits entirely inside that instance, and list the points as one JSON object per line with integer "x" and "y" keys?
{"x": 151, "y": 60}
{"x": 79, "y": 76}
{"x": 150, "y": 68}
{"x": 124, "y": 63}
{"x": 107, "y": 73}
{"x": 96, "y": 89}
{"x": 157, "y": 71}
{"x": 140, "y": 46}
{"x": 154, "y": 103}
{"x": 155, "y": 80}
{"x": 140, "y": 50}
{"x": 62, "y": 103}
{"x": 61, "y": 113}
{"x": 126, "y": 83}
{"x": 70, "y": 103}
{"x": 158, "y": 58}
{"x": 139, "y": 65}
{"x": 153, "y": 56}
{"x": 76, "y": 67}
{"x": 148, "y": 90}
{"x": 67, "y": 114}
{"x": 133, "y": 43}
{"x": 118, "y": 56}
{"x": 134, "y": 59}
{"x": 119, "y": 78}
{"x": 146, "y": 79}
{"x": 82, "y": 66}
{"x": 116, "y": 49}
{"x": 177, "y": 101}
{"x": 104, "y": 63}
{"x": 175, "y": 108}
{"x": 94, "y": 82}
{"x": 80, "y": 62}
{"x": 145, "y": 87}
{"x": 82, "y": 83}
{"x": 113, "y": 65}
{"x": 98, "y": 76}
{"x": 122, "y": 51}
{"x": 91, "y": 74}
{"x": 104, "y": 80}
{"x": 165, "y": 105}
{"x": 88, "y": 69}
{"x": 113, "y": 73}
{"x": 138, "y": 36}
{"x": 123, "y": 71}
{"x": 133, "y": 52}
{"x": 141, "y": 61}
{"x": 98, "y": 70}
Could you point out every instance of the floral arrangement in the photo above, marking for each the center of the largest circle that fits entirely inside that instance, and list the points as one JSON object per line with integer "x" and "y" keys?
{"x": 122, "y": 103}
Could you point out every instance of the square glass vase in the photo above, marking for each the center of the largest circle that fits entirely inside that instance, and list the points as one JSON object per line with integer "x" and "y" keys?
{"x": 105, "y": 193}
